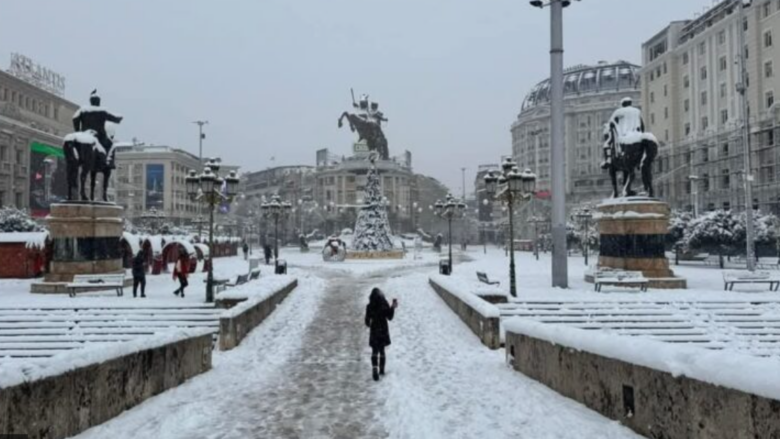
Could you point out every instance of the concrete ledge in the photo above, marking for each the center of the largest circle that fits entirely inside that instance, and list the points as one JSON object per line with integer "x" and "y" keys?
{"x": 393, "y": 254}
{"x": 243, "y": 317}
{"x": 654, "y": 403}
{"x": 68, "y": 402}
{"x": 61, "y": 287}
{"x": 482, "y": 318}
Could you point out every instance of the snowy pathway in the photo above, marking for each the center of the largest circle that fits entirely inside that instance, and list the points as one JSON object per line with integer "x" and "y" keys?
{"x": 305, "y": 373}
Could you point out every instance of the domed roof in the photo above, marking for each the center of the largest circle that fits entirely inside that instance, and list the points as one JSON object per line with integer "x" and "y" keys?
{"x": 584, "y": 80}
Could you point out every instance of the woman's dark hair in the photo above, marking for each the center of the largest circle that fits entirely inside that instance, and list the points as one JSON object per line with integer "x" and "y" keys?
{"x": 376, "y": 296}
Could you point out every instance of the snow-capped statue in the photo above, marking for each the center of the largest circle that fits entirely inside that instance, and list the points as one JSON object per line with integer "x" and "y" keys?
{"x": 89, "y": 148}
{"x": 627, "y": 147}
{"x": 335, "y": 250}
{"x": 368, "y": 124}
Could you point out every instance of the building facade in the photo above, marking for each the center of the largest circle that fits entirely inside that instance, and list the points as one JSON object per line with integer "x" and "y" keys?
{"x": 591, "y": 94}
{"x": 33, "y": 122}
{"x": 690, "y": 94}
{"x": 152, "y": 177}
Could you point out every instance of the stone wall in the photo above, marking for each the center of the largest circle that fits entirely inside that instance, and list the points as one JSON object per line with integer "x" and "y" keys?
{"x": 234, "y": 326}
{"x": 66, "y": 404}
{"x": 487, "y": 328}
{"x": 653, "y": 403}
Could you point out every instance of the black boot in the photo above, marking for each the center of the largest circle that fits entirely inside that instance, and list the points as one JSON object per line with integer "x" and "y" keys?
{"x": 375, "y": 370}
{"x": 382, "y": 365}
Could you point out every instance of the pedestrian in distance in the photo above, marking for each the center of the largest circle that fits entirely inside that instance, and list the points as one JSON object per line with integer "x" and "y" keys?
{"x": 139, "y": 273}
{"x": 245, "y": 248}
{"x": 378, "y": 313}
{"x": 267, "y": 252}
{"x": 180, "y": 271}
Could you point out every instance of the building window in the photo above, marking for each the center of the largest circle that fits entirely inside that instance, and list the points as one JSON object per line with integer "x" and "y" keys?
{"x": 652, "y": 97}
{"x": 702, "y": 48}
{"x": 652, "y": 118}
{"x": 687, "y": 105}
{"x": 725, "y": 182}
{"x": 723, "y": 90}
{"x": 705, "y": 122}
{"x": 768, "y": 38}
{"x": 725, "y": 149}
{"x": 686, "y": 81}
{"x": 666, "y": 90}
{"x": 706, "y": 183}
{"x": 770, "y": 99}
{"x": 703, "y": 72}
{"x": 724, "y": 116}
{"x": 722, "y": 37}
{"x": 704, "y": 98}
{"x": 726, "y": 205}
{"x": 768, "y": 73}
{"x": 685, "y": 58}
{"x": 687, "y": 128}
{"x": 767, "y": 9}
{"x": 666, "y": 112}
{"x": 723, "y": 63}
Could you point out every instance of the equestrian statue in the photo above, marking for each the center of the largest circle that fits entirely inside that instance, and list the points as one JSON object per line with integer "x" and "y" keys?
{"x": 89, "y": 150}
{"x": 627, "y": 147}
{"x": 368, "y": 124}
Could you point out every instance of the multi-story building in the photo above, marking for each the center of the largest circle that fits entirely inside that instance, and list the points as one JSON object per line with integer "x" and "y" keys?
{"x": 591, "y": 94}
{"x": 690, "y": 94}
{"x": 33, "y": 122}
{"x": 153, "y": 177}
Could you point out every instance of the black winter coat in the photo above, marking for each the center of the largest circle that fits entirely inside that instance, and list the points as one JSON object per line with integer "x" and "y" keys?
{"x": 139, "y": 266}
{"x": 378, "y": 312}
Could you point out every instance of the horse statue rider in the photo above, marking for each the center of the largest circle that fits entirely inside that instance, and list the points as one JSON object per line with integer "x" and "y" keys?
{"x": 627, "y": 147}
{"x": 89, "y": 149}
{"x": 368, "y": 124}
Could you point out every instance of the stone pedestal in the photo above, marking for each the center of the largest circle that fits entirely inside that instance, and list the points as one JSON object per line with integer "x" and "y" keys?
{"x": 85, "y": 239}
{"x": 633, "y": 234}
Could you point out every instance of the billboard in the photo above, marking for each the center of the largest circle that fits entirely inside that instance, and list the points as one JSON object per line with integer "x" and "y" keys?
{"x": 48, "y": 179}
{"x": 155, "y": 186}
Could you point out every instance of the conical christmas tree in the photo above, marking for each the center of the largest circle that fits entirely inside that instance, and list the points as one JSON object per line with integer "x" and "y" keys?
{"x": 372, "y": 230}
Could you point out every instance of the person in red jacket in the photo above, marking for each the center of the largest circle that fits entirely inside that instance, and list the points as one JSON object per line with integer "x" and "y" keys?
{"x": 180, "y": 271}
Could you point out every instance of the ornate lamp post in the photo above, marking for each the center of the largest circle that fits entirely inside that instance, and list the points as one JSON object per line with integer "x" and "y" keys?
{"x": 449, "y": 208}
{"x": 510, "y": 186}
{"x": 276, "y": 209}
{"x": 584, "y": 218}
{"x": 207, "y": 188}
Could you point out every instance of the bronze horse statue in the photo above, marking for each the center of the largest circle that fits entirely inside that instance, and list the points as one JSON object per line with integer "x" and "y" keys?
{"x": 369, "y": 131}
{"x": 84, "y": 155}
{"x": 639, "y": 155}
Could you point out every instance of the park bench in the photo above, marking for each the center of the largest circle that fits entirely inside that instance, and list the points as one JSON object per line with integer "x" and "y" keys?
{"x": 219, "y": 283}
{"x": 254, "y": 274}
{"x": 240, "y": 280}
{"x": 483, "y": 277}
{"x": 731, "y": 277}
{"x": 619, "y": 278}
{"x": 96, "y": 282}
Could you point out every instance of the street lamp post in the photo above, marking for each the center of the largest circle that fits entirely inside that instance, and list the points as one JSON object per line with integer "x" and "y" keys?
{"x": 510, "y": 186}
{"x": 560, "y": 276}
{"x": 207, "y": 188}
{"x": 449, "y": 208}
{"x": 584, "y": 217}
{"x": 536, "y": 221}
{"x": 276, "y": 209}
{"x": 694, "y": 179}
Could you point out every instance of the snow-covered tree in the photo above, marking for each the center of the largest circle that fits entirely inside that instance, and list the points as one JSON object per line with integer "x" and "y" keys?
{"x": 718, "y": 229}
{"x": 372, "y": 230}
{"x": 15, "y": 220}
{"x": 679, "y": 221}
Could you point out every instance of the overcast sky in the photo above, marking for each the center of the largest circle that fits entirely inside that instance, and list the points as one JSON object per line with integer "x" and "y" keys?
{"x": 272, "y": 76}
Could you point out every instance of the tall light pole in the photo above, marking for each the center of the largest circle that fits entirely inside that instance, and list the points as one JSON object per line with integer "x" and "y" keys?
{"x": 560, "y": 272}
{"x": 276, "y": 209}
{"x": 206, "y": 188}
{"x": 694, "y": 179}
{"x": 449, "y": 209}
{"x": 201, "y": 136}
{"x": 510, "y": 186}
{"x": 748, "y": 172}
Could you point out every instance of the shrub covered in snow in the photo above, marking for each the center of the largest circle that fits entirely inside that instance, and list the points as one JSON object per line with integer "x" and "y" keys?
{"x": 15, "y": 220}
{"x": 679, "y": 222}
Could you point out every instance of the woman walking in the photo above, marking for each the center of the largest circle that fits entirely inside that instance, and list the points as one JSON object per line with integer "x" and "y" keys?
{"x": 378, "y": 312}
{"x": 139, "y": 273}
{"x": 180, "y": 271}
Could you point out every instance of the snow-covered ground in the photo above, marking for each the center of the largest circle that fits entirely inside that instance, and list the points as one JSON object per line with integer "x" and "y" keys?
{"x": 305, "y": 371}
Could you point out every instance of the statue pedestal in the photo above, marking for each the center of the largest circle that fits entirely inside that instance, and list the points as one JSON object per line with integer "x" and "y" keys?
{"x": 633, "y": 233}
{"x": 85, "y": 238}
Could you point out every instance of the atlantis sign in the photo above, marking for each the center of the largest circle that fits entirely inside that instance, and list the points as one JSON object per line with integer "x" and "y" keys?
{"x": 29, "y": 71}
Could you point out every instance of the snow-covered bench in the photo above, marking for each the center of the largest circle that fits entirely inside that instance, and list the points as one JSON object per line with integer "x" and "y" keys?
{"x": 83, "y": 282}
{"x": 731, "y": 277}
{"x": 254, "y": 274}
{"x": 240, "y": 280}
{"x": 483, "y": 277}
{"x": 619, "y": 278}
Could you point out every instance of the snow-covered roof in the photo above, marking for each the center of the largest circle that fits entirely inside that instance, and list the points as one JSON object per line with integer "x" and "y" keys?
{"x": 134, "y": 241}
{"x": 203, "y": 248}
{"x": 184, "y": 243}
{"x": 156, "y": 242}
{"x": 30, "y": 239}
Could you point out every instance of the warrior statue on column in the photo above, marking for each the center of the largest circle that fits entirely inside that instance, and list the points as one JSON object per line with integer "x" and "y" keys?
{"x": 368, "y": 124}
{"x": 627, "y": 147}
